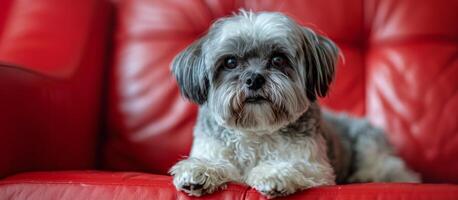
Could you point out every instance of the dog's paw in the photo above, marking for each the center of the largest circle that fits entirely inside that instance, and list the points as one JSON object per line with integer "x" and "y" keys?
{"x": 271, "y": 184}
{"x": 196, "y": 178}
{"x": 276, "y": 180}
{"x": 272, "y": 191}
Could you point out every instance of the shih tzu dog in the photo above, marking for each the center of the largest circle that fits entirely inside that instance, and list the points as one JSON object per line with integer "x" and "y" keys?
{"x": 256, "y": 77}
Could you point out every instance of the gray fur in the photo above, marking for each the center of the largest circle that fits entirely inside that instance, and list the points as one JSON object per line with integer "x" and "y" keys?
{"x": 321, "y": 59}
{"x": 281, "y": 144}
{"x": 189, "y": 70}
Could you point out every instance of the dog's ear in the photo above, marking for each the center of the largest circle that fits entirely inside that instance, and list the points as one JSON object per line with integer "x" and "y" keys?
{"x": 189, "y": 70}
{"x": 320, "y": 62}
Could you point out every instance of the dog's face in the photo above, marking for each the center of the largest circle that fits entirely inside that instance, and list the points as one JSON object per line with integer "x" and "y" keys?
{"x": 256, "y": 71}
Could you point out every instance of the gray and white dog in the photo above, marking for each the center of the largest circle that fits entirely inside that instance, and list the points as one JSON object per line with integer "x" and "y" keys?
{"x": 256, "y": 77}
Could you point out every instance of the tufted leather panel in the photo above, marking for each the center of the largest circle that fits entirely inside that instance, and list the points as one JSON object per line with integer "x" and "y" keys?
{"x": 390, "y": 51}
{"x": 400, "y": 69}
{"x": 412, "y": 65}
{"x": 416, "y": 99}
{"x": 151, "y": 124}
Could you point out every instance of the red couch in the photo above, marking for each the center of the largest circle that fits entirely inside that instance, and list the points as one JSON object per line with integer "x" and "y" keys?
{"x": 86, "y": 97}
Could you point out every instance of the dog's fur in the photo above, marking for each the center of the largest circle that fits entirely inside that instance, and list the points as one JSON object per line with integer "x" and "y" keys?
{"x": 279, "y": 142}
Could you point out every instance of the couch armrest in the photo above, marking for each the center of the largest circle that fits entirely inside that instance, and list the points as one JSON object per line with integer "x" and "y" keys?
{"x": 50, "y": 90}
{"x": 46, "y": 36}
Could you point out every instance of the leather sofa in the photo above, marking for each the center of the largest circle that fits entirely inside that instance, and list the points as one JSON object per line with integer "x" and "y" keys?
{"x": 89, "y": 110}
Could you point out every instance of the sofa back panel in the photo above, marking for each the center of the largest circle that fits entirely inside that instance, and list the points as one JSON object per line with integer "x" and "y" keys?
{"x": 384, "y": 44}
{"x": 411, "y": 88}
{"x": 416, "y": 99}
{"x": 150, "y": 123}
{"x": 415, "y": 21}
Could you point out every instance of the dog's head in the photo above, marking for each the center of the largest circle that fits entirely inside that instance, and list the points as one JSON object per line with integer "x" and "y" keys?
{"x": 256, "y": 71}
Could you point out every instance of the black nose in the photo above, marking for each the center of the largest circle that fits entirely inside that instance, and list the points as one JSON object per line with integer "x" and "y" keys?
{"x": 255, "y": 81}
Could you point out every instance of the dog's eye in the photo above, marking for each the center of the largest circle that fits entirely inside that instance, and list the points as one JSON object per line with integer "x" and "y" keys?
{"x": 278, "y": 60}
{"x": 230, "y": 62}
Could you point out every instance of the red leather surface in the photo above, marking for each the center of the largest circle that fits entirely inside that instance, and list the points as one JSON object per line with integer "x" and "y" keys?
{"x": 412, "y": 68}
{"x": 401, "y": 63}
{"x": 5, "y": 8}
{"x": 58, "y": 30}
{"x": 393, "y": 52}
{"x": 417, "y": 100}
{"x": 151, "y": 124}
{"x": 99, "y": 186}
{"x": 49, "y": 121}
{"x": 393, "y": 21}
{"x": 124, "y": 186}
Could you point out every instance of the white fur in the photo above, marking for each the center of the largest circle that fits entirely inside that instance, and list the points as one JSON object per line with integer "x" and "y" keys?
{"x": 265, "y": 162}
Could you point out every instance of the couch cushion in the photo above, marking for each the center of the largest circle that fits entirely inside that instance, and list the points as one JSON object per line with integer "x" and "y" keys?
{"x": 99, "y": 186}
{"x": 126, "y": 185}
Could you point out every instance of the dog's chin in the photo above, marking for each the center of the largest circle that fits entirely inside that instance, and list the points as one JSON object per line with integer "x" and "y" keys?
{"x": 258, "y": 115}
{"x": 262, "y": 112}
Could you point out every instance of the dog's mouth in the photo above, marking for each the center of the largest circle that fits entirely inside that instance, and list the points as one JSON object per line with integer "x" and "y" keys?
{"x": 256, "y": 100}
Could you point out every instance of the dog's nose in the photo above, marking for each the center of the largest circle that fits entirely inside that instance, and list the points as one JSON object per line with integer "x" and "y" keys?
{"x": 255, "y": 81}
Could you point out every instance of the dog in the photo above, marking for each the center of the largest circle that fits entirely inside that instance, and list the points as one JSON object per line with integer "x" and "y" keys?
{"x": 257, "y": 77}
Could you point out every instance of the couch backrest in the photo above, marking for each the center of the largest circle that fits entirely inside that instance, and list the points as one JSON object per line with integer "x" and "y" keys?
{"x": 400, "y": 70}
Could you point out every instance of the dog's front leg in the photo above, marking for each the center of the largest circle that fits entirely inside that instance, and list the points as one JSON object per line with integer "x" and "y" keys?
{"x": 281, "y": 178}
{"x": 207, "y": 169}
{"x": 297, "y": 166}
